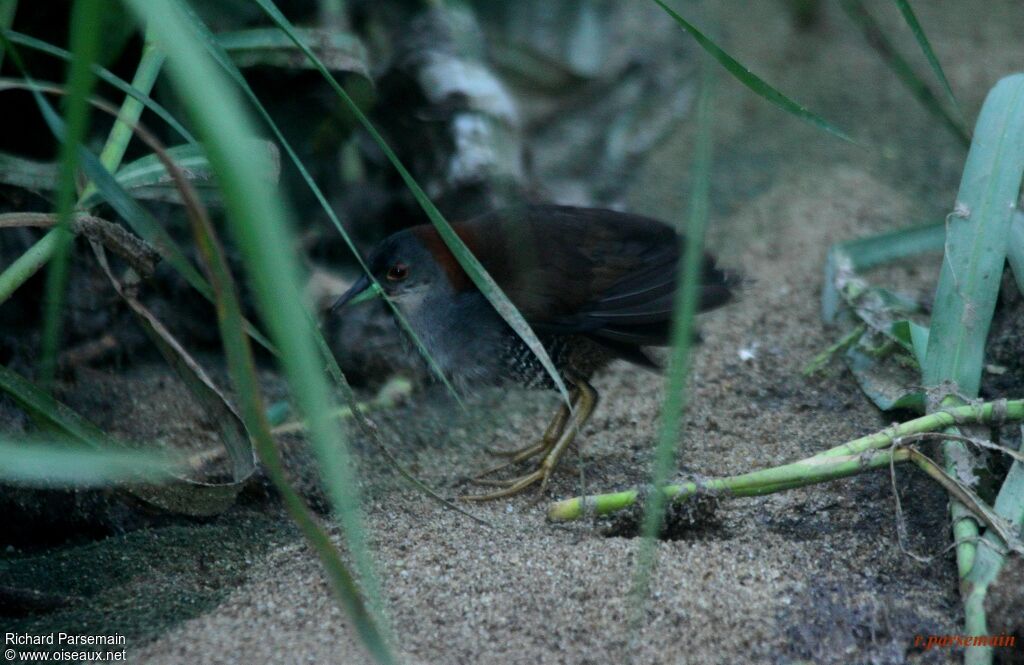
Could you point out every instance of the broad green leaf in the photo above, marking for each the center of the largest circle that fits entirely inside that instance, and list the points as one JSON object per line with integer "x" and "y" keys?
{"x": 976, "y": 247}
{"x": 855, "y": 256}
{"x": 887, "y": 385}
{"x": 147, "y": 178}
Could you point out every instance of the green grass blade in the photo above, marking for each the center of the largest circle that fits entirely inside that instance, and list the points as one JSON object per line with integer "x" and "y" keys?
{"x": 876, "y": 37}
{"x": 137, "y": 217}
{"x": 47, "y": 411}
{"x": 85, "y": 42}
{"x": 929, "y": 53}
{"x": 476, "y": 272}
{"x": 149, "y": 172}
{"x": 684, "y": 313}
{"x": 262, "y": 228}
{"x": 218, "y": 53}
{"x": 751, "y": 80}
{"x": 55, "y": 465}
{"x": 913, "y": 337}
{"x": 106, "y": 76}
{"x": 173, "y": 493}
{"x": 269, "y": 47}
{"x": 28, "y": 173}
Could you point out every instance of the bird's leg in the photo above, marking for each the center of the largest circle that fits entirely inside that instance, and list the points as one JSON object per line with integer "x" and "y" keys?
{"x": 583, "y": 407}
{"x": 549, "y": 439}
{"x": 551, "y": 435}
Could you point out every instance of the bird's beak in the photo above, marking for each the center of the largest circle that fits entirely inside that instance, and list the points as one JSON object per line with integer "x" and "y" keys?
{"x": 361, "y": 291}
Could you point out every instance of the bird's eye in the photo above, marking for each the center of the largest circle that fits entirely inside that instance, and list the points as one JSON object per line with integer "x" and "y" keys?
{"x": 398, "y": 272}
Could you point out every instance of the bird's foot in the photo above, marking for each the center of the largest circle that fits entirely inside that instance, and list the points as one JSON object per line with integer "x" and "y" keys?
{"x": 515, "y": 457}
{"x": 513, "y": 485}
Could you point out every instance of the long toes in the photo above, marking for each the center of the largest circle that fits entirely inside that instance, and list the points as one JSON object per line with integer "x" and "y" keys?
{"x": 500, "y": 452}
{"x": 519, "y": 454}
{"x": 496, "y": 467}
{"x": 517, "y": 486}
{"x": 493, "y": 482}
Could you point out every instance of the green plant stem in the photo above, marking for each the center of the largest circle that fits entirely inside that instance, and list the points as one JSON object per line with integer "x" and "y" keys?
{"x": 8, "y": 8}
{"x": 684, "y": 310}
{"x": 26, "y": 265}
{"x": 964, "y": 524}
{"x": 825, "y": 357}
{"x": 844, "y": 460}
{"x": 85, "y": 23}
{"x": 131, "y": 110}
{"x": 989, "y": 561}
{"x": 767, "y": 481}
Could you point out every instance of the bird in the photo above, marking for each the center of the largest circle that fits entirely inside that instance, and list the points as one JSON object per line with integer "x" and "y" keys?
{"x": 594, "y": 285}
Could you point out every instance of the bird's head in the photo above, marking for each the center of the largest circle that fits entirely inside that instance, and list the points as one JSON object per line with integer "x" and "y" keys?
{"x": 409, "y": 266}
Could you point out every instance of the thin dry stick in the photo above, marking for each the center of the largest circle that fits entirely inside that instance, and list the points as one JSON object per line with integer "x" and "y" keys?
{"x": 969, "y": 499}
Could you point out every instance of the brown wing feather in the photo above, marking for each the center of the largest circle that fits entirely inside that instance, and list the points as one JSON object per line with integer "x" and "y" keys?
{"x": 584, "y": 270}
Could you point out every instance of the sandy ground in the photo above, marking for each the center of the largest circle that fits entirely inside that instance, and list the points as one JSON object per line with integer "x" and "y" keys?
{"x": 811, "y": 575}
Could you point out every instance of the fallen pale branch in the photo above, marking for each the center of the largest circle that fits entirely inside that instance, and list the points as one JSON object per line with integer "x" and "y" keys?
{"x": 851, "y": 458}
